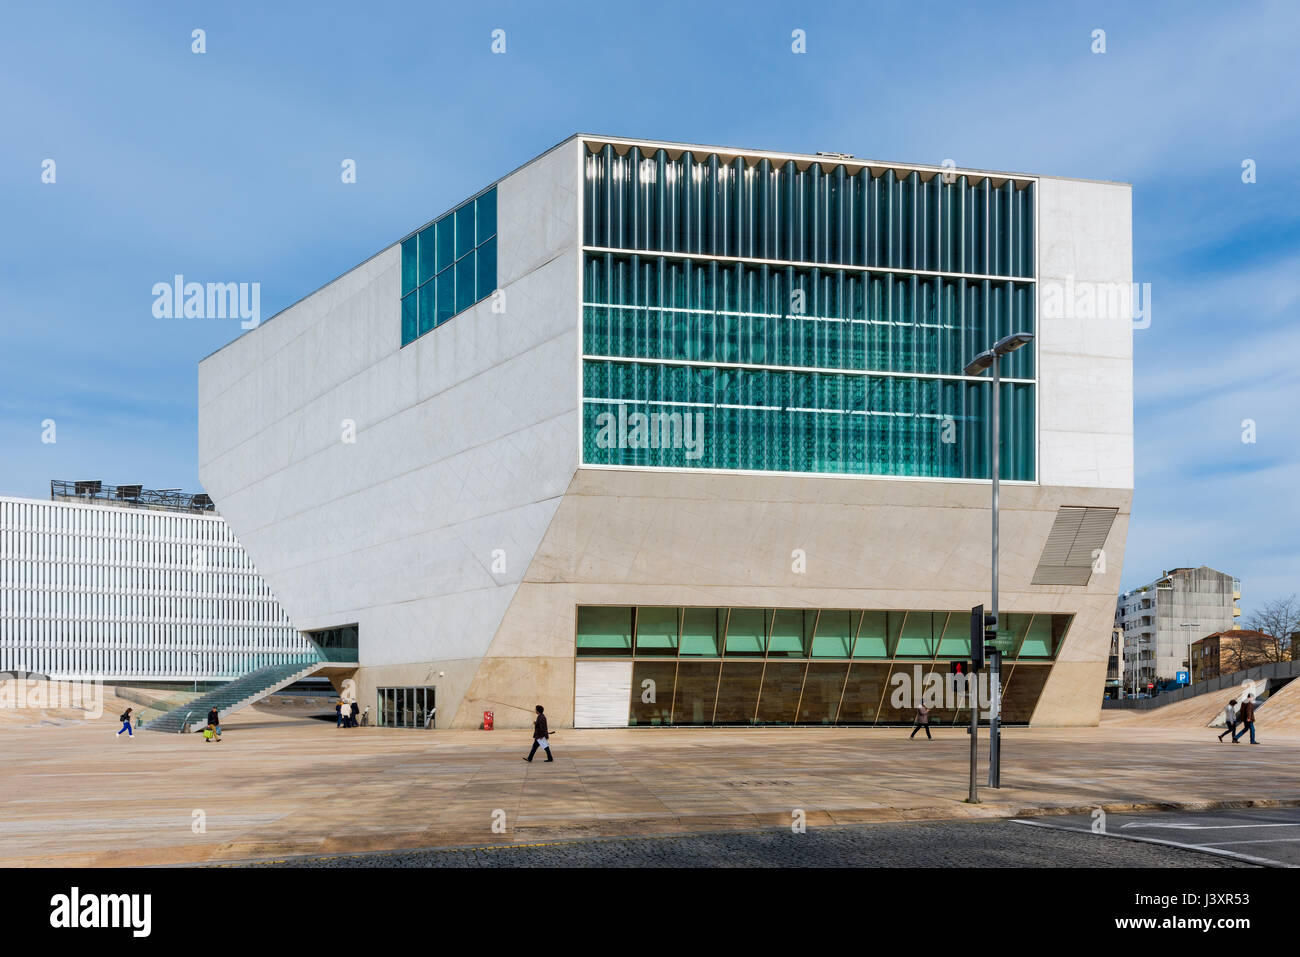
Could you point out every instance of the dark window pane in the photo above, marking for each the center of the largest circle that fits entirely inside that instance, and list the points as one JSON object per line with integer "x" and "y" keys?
{"x": 738, "y": 692}
{"x": 656, "y": 631}
{"x": 485, "y": 212}
{"x": 1021, "y": 691}
{"x": 862, "y": 693}
{"x": 428, "y": 255}
{"x": 446, "y": 228}
{"x": 465, "y": 283}
{"x": 782, "y": 682}
{"x": 464, "y": 229}
{"x": 487, "y": 269}
{"x": 604, "y": 631}
{"x": 409, "y": 257}
{"x": 821, "y": 692}
{"x": 446, "y": 295}
{"x": 697, "y": 688}
{"x": 409, "y": 324}
{"x": 657, "y": 710}
{"x": 428, "y": 305}
{"x": 905, "y": 690}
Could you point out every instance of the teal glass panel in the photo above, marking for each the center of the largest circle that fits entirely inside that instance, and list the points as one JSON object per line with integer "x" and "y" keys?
{"x": 486, "y": 283}
{"x": 787, "y": 640}
{"x": 410, "y": 318}
{"x": 700, "y": 632}
{"x": 465, "y": 283}
{"x": 464, "y": 229}
{"x": 1037, "y": 642}
{"x": 428, "y": 307}
{"x": 873, "y": 636}
{"x": 834, "y": 637}
{"x": 656, "y": 631}
{"x": 747, "y": 631}
{"x": 428, "y": 254}
{"x": 446, "y": 295}
{"x": 485, "y": 216}
{"x": 955, "y": 641}
{"x": 919, "y": 638}
{"x": 446, "y": 231}
{"x": 410, "y": 257}
{"x": 604, "y": 630}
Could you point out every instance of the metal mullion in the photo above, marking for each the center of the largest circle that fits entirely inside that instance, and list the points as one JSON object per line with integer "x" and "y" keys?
{"x": 817, "y": 617}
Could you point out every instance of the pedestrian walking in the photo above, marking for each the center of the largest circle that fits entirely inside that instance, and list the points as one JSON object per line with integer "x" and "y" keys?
{"x": 356, "y": 710}
{"x": 338, "y": 713}
{"x": 541, "y": 737}
{"x": 214, "y": 720}
{"x": 922, "y": 720}
{"x": 125, "y": 718}
{"x": 1247, "y": 718}
{"x": 1229, "y": 718}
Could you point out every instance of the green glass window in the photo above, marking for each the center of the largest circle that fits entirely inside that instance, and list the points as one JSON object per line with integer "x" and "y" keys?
{"x": 604, "y": 631}
{"x": 410, "y": 255}
{"x": 446, "y": 295}
{"x": 465, "y": 280}
{"x": 656, "y": 631}
{"x": 834, "y": 637}
{"x": 919, "y": 638}
{"x": 464, "y": 230}
{"x": 873, "y": 636}
{"x": 787, "y": 639}
{"x": 428, "y": 255}
{"x": 747, "y": 632}
{"x": 446, "y": 228}
{"x": 700, "y": 632}
{"x": 485, "y": 216}
{"x": 428, "y": 302}
{"x": 409, "y": 318}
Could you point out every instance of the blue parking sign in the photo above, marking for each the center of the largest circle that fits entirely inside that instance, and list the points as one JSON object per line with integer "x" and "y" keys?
{"x": 1181, "y": 678}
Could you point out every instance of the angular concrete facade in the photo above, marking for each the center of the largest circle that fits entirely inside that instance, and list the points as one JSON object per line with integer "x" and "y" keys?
{"x": 434, "y": 493}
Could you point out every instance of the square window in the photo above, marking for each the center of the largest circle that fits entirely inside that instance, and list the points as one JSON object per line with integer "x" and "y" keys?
{"x": 485, "y": 214}
{"x": 464, "y": 229}
{"x": 408, "y": 265}
{"x": 446, "y": 295}
{"x": 465, "y": 283}
{"x": 428, "y": 307}
{"x": 446, "y": 228}
{"x": 408, "y": 318}
{"x": 487, "y": 269}
{"x": 428, "y": 255}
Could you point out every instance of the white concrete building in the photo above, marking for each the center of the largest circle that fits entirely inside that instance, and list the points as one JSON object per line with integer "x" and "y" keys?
{"x": 662, "y": 434}
{"x": 1162, "y": 618}
{"x": 131, "y": 592}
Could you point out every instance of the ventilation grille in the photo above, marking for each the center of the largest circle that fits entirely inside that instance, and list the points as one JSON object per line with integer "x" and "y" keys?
{"x": 1076, "y": 536}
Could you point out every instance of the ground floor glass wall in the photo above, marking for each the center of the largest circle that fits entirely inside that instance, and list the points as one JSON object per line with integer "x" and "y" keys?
{"x": 745, "y": 666}
{"x": 405, "y": 707}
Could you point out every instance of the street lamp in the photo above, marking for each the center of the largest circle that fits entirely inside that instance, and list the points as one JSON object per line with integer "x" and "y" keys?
{"x": 1189, "y": 624}
{"x": 988, "y": 359}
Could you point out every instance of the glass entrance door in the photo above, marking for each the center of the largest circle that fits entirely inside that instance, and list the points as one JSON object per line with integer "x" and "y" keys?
{"x": 411, "y": 707}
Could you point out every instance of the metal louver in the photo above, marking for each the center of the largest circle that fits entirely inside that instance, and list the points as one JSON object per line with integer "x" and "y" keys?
{"x": 1077, "y": 534}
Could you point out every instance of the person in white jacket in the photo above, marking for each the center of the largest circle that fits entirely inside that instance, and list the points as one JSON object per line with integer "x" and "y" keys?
{"x": 1229, "y": 718}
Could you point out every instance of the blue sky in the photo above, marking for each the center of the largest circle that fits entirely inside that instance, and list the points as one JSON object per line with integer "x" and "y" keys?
{"x": 225, "y": 166}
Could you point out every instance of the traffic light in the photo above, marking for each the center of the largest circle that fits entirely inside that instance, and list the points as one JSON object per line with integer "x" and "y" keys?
{"x": 982, "y": 628}
{"x": 959, "y": 667}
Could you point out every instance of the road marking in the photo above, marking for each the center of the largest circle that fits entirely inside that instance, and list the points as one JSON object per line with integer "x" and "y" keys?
{"x": 1200, "y": 848}
{"x": 1274, "y": 840}
{"x": 1208, "y": 827}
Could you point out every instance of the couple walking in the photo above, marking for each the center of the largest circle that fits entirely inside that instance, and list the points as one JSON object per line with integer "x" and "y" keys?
{"x": 1245, "y": 716}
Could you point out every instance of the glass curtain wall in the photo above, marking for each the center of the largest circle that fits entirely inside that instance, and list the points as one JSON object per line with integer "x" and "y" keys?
{"x": 802, "y": 317}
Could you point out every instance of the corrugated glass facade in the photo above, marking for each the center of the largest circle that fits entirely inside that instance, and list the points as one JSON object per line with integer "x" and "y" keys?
{"x": 802, "y": 317}
{"x": 449, "y": 265}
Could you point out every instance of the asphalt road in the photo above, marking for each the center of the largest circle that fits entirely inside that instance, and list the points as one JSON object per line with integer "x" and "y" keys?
{"x": 922, "y": 844}
{"x": 1266, "y": 836}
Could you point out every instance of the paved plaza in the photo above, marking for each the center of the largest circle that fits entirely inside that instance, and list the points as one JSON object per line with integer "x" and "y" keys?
{"x": 283, "y": 786}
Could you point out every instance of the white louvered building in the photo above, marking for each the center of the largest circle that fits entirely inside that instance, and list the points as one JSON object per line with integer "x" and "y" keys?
{"x": 132, "y": 585}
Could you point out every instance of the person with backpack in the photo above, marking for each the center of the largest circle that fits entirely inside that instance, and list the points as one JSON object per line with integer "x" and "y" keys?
{"x": 125, "y": 718}
{"x": 214, "y": 721}
{"x": 353, "y": 711}
{"x": 1229, "y": 718}
{"x": 1247, "y": 720}
{"x": 541, "y": 737}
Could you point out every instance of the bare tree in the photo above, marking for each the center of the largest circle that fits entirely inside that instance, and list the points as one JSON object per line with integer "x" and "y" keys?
{"x": 1278, "y": 620}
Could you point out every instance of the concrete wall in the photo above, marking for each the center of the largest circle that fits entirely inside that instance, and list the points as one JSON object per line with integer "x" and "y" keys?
{"x": 465, "y": 440}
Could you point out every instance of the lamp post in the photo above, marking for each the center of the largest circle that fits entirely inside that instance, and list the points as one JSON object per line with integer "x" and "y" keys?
{"x": 988, "y": 359}
{"x": 1189, "y": 624}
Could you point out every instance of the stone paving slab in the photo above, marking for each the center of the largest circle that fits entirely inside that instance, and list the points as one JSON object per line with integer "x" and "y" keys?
{"x": 78, "y": 796}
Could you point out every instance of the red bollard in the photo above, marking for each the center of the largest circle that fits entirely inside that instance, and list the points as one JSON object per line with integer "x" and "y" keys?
{"x": 487, "y": 720}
